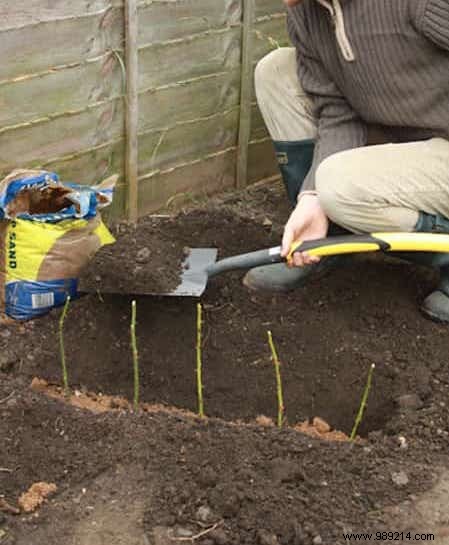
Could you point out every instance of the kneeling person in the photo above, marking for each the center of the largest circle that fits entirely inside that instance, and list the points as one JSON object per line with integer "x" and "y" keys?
{"x": 360, "y": 125}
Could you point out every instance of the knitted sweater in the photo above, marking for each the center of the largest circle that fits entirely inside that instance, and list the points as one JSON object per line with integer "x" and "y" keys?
{"x": 373, "y": 62}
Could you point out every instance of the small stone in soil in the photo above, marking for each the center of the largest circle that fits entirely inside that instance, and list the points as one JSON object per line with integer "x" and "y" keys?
{"x": 266, "y": 538}
{"x": 317, "y": 540}
{"x": 400, "y": 478}
{"x": 410, "y": 401}
{"x": 143, "y": 255}
{"x": 204, "y": 514}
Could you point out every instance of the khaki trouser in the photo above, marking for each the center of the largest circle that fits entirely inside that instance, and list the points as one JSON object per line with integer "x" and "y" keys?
{"x": 374, "y": 188}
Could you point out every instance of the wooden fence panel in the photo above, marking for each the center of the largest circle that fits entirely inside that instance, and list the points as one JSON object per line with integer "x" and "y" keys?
{"x": 41, "y": 47}
{"x": 186, "y": 59}
{"x": 163, "y": 21}
{"x": 62, "y": 83}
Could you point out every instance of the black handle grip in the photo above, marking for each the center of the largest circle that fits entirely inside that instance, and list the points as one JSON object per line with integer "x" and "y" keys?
{"x": 246, "y": 261}
{"x": 330, "y": 245}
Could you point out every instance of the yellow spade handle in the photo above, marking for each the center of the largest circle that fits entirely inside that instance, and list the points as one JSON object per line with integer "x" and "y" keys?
{"x": 374, "y": 242}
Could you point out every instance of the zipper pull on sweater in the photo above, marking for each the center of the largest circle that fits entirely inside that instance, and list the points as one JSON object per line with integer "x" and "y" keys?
{"x": 338, "y": 18}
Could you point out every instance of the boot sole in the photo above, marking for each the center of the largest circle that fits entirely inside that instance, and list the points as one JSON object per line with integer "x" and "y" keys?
{"x": 434, "y": 317}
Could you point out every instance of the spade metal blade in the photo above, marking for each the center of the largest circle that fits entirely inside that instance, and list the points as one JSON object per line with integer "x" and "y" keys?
{"x": 194, "y": 276}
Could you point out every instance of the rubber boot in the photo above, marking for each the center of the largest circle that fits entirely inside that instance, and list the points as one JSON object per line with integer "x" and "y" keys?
{"x": 436, "y": 305}
{"x": 295, "y": 160}
{"x": 428, "y": 223}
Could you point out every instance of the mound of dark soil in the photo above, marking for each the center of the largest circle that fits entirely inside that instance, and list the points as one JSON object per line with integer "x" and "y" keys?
{"x": 166, "y": 477}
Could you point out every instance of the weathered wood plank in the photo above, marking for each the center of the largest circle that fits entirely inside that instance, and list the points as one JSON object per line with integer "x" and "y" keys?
{"x": 258, "y": 127}
{"x": 206, "y": 62}
{"x": 60, "y": 91}
{"x": 245, "y": 93}
{"x": 17, "y": 13}
{"x": 48, "y": 44}
{"x": 90, "y": 167}
{"x": 188, "y": 101}
{"x": 132, "y": 107}
{"x": 75, "y": 87}
{"x": 38, "y": 143}
{"x": 269, "y": 7}
{"x": 268, "y": 30}
{"x": 197, "y": 56}
{"x": 261, "y": 161}
{"x": 161, "y": 21}
{"x": 211, "y": 175}
{"x": 188, "y": 142}
{"x": 169, "y": 106}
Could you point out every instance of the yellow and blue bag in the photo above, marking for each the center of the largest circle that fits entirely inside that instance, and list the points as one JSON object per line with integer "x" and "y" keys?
{"x": 49, "y": 231}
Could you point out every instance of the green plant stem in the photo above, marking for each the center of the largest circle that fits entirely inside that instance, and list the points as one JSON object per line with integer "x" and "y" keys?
{"x": 362, "y": 407}
{"x": 135, "y": 355}
{"x": 65, "y": 378}
{"x": 199, "y": 360}
{"x": 277, "y": 368}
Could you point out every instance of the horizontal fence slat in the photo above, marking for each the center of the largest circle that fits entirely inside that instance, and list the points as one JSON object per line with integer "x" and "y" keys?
{"x": 60, "y": 91}
{"x": 269, "y": 32}
{"x": 161, "y": 21}
{"x": 89, "y": 167}
{"x": 261, "y": 161}
{"x": 258, "y": 127}
{"x": 37, "y": 144}
{"x": 199, "y": 179}
{"x": 187, "y": 142}
{"x": 268, "y": 7}
{"x": 50, "y": 44}
{"x": 189, "y": 101}
{"x": 201, "y": 55}
{"x": 20, "y": 13}
{"x": 75, "y": 87}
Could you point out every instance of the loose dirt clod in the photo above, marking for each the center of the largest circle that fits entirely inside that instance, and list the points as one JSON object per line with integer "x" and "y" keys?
{"x": 36, "y": 495}
{"x": 264, "y": 421}
{"x": 320, "y": 429}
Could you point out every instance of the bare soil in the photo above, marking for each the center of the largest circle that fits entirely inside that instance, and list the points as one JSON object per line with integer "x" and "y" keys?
{"x": 161, "y": 475}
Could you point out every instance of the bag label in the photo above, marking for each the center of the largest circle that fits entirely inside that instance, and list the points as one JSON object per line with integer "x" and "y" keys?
{"x": 42, "y": 300}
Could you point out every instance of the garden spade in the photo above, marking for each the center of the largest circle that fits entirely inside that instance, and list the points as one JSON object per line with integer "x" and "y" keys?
{"x": 201, "y": 263}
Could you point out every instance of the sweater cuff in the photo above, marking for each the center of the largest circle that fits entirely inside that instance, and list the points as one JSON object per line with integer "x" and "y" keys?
{"x": 307, "y": 192}
{"x": 435, "y": 22}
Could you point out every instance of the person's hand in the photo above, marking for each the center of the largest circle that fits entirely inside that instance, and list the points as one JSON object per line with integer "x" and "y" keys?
{"x": 307, "y": 222}
{"x": 290, "y": 3}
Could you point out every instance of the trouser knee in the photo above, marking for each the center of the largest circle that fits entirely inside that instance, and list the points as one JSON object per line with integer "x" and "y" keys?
{"x": 335, "y": 191}
{"x": 271, "y": 68}
{"x": 350, "y": 199}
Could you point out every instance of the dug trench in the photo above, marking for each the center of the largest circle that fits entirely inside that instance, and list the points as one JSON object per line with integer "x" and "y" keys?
{"x": 157, "y": 476}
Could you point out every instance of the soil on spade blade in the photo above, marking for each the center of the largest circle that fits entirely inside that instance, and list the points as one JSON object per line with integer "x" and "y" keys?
{"x": 146, "y": 258}
{"x": 163, "y": 476}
